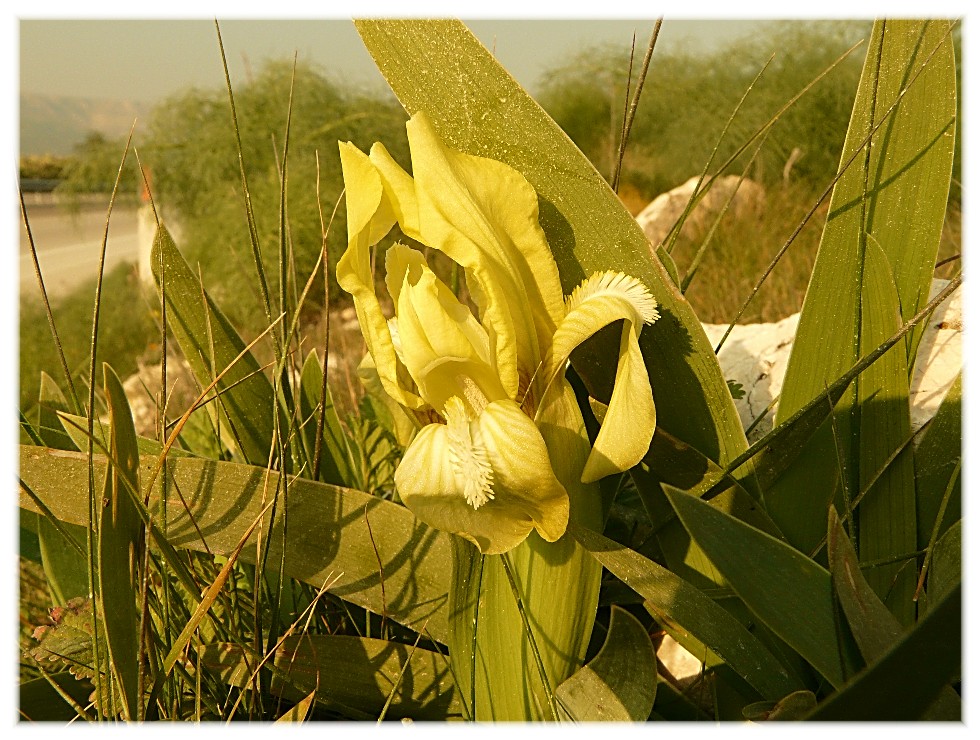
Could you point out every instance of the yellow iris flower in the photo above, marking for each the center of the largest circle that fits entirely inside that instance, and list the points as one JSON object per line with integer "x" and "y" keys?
{"x": 476, "y": 385}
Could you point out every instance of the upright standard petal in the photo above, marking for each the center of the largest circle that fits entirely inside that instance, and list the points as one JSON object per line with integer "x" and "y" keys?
{"x": 446, "y": 350}
{"x": 488, "y": 480}
{"x": 400, "y": 189}
{"x": 369, "y": 218}
{"x": 484, "y": 215}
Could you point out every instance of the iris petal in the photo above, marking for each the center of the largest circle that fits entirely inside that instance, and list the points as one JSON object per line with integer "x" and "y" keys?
{"x": 369, "y": 218}
{"x": 628, "y": 426}
{"x": 526, "y": 493}
{"x": 484, "y": 215}
{"x": 444, "y": 347}
{"x": 490, "y": 474}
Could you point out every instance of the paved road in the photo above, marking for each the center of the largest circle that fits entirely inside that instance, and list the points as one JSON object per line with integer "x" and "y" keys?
{"x": 68, "y": 245}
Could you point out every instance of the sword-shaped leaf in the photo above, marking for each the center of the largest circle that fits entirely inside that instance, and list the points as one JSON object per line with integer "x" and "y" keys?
{"x": 787, "y": 591}
{"x": 906, "y": 680}
{"x": 681, "y": 606}
{"x": 890, "y": 201}
{"x": 120, "y": 546}
{"x": 210, "y": 344}
{"x": 354, "y": 673}
{"x": 937, "y": 461}
{"x": 328, "y": 535}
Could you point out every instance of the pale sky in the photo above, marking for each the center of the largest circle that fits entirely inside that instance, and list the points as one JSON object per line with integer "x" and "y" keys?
{"x": 147, "y": 59}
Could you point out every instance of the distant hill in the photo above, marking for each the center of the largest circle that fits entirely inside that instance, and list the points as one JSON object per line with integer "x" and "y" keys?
{"x": 55, "y": 124}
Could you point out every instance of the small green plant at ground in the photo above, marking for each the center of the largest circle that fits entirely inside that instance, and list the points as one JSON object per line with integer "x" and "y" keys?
{"x": 545, "y": 476}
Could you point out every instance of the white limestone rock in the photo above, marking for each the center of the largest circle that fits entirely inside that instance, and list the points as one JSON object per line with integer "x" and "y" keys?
{"x": 755, "y": 356}
{"x": 662, "y": 213}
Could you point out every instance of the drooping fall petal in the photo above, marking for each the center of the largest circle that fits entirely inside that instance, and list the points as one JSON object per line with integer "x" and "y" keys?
{"x": 440, "y": 469}
{"x": 631, "y": 417}
{"x": 628, "y": 426}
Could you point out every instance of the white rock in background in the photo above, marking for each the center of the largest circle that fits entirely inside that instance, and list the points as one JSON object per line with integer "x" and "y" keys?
{"x": 143, "y": 388}
{"x": 663, "y": 211}
{"x": 940, "y": 356}
{"x": 755, "y": 355}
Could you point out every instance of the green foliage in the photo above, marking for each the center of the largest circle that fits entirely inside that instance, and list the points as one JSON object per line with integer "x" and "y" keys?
{"x": 689, "y": 97}
{"x": 93, "y": 167}
{"x": 42, "y": 166}
{"x": 873, "y": 272}
{"x": 67, "y": 642}
{"x": 127, "y": 328}
{"x": 303, "y": 590}
{"x": 191, "y": 153}
{"x": 618, "y": 684}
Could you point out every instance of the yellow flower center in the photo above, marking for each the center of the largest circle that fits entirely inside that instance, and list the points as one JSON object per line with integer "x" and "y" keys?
{"x": 468, "y": 455}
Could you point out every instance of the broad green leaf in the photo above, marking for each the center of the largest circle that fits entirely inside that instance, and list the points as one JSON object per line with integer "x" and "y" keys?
{"x": 886, "y": 515}
{"x": 793, "y": 707}
{"x": 299, "y": 711}
{"x": 247, "y": 401}
{"x": 51, "y": 402}
{"x": 560, "y": 613}
{"x": 787, "y": 591}
{"x": 354, "y": 673}
{"x": 874, "y": 627}
{"x": 39, "y": 701}
{"x": 776, "y": 451}
{"x": 906, "y": 680}
{"x": 77, "y": 428}
{"x": 936, "y": 459}
{"x": 673, "y": 705}
{"x": 674, "y": 602}
{"x": 791, "y": 437}
{"x": 328, "y": 539}
{"x": 120, "y": 546}
{"x": 674, "y": 462}
{"x": 671, "y": 461}
{"x": 65, "y": 566}
{"x": 334, "y": 459}
{"x": 28, "y": 545}
{"x": 893, "y": 196}
{"x": 946, "y": 569}
{"x": 533, "y": 607}
{"x": 440, "y": 68}
{"x": 65, "y": 569}
{"x": 620, "y": 682}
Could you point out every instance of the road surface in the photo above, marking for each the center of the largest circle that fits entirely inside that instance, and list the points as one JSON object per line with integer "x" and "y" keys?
{"x": 69, "y": 243}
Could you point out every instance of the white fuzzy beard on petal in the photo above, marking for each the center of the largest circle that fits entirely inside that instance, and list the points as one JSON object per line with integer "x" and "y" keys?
{"x": 468, "y": 455}
{"x": 617, "y": 284}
